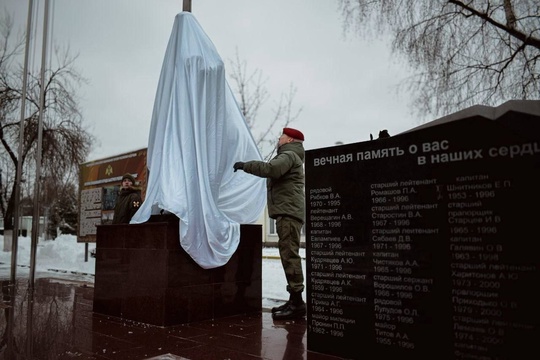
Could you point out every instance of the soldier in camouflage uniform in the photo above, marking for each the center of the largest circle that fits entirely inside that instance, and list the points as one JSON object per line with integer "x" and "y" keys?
{"x": 286, "y": 204}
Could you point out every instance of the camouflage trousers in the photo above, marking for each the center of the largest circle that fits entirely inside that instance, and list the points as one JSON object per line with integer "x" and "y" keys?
{"x": 288, "y": 230}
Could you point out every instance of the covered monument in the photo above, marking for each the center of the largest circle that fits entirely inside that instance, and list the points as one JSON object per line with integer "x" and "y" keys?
{"x": 196, "y": 135}
{"x": 201, "y": 259}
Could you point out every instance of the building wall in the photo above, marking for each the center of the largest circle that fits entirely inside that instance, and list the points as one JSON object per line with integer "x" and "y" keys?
{"x": 25, "y": 225}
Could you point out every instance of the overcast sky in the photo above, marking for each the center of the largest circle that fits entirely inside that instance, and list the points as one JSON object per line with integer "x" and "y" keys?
{"x": 346, "y": 85}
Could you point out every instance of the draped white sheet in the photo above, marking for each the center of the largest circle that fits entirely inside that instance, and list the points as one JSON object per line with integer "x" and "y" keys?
{"x": 197, "y": 133}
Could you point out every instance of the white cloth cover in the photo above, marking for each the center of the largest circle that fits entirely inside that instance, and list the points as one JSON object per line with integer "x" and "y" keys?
{"x": 197, "y": 134}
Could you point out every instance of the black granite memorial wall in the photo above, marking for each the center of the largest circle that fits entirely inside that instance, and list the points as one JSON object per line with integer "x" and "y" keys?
{"x": 426, "y": 244}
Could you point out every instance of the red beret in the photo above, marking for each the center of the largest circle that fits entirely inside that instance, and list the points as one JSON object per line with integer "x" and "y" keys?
{"x": 295, "y": 134}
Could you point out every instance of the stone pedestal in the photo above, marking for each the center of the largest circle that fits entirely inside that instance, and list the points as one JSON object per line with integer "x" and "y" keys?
{"x": 143, "y": 274}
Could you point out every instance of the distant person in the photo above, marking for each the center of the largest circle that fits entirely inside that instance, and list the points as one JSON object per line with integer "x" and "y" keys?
{"x": 128, "y": 201}
{"x": 286, "y": 204}
{"x": 383, "y": 134}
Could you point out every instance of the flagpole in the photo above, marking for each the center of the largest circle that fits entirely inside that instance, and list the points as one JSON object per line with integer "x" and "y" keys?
{"x": 18, "y": 175}
{"x": 35, "y": 216}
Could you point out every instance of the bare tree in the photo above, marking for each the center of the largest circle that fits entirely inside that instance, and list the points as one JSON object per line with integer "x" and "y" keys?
{"x": 61, "y": 208}
{"x": 252, "y": 94}
{"x": 465, "y": 52}
{"x": 65, "y": 141}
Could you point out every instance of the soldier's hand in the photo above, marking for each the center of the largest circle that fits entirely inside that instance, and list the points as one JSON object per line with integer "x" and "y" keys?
{"x": 238, "y": 166}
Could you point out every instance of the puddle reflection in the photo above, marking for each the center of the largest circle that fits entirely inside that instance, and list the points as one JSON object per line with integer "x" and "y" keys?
{"x": 56, "y": 321}
{"x": 41, "y": 323}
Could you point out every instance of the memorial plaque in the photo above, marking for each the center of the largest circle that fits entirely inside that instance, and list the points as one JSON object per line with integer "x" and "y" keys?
{"x": 427, "y": 243}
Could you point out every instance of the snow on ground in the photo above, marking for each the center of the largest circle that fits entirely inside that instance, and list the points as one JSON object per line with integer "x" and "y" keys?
{"x": 65, "y": 257}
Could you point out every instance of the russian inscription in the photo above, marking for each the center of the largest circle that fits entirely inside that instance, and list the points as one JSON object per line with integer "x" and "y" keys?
{"x": 423, "y": 248}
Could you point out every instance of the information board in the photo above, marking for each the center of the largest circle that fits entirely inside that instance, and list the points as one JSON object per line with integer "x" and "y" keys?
{"x": 427, "y": 243}
{"x": 99, "y": 183}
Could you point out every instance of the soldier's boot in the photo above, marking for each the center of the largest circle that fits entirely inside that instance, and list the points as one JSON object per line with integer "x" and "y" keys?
{"x": 282, "y": 306}
{"x": 295, "y": 310}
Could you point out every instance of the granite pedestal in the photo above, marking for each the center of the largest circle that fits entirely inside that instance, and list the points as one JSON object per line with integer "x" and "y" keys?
{"x": 143, "y": 274}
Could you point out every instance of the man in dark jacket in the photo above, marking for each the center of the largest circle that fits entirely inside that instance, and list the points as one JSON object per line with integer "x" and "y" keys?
{"x": 128, "y": 201}
{"x": 286, "y": 204}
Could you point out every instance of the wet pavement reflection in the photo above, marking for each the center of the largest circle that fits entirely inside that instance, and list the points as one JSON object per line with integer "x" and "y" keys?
{"x": 54, "y": 320}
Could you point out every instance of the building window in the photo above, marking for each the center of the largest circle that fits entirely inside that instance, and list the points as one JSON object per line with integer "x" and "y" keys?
{"x": 272, "y": 227}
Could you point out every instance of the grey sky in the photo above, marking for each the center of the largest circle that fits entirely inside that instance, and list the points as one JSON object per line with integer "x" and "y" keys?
{"x": 345, "y": 85}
